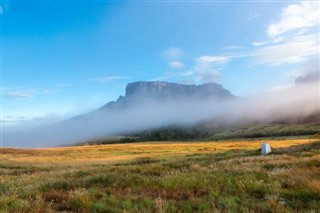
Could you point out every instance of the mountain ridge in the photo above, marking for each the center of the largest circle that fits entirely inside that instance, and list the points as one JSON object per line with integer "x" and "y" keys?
{"x": 141, "y": 91}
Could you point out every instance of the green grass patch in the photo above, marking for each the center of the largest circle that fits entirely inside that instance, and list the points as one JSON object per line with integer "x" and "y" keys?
{"x": 226, "y": 181}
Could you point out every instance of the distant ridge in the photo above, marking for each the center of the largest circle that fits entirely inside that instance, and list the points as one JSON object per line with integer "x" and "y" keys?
{"x": 161, "y": 90}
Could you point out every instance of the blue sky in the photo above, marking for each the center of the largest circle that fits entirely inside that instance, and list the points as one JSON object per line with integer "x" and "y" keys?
{"x": 63, "y": 58}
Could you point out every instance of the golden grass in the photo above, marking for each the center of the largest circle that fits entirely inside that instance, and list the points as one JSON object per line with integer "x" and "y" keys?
{"x": 121, "y": 152}
{"x": 226, "y": 176}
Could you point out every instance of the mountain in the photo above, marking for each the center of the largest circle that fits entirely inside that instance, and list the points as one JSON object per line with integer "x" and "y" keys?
{"x": 170, "y": 111}
{"x": 159, "y": 91}
{"x": 145, "y": 105}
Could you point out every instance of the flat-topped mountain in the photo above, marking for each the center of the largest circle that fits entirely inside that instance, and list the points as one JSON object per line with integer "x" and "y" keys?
{"x": 178, "y": 111}
{"x": 160, "y": 89}
{"x": 142, "y": 91}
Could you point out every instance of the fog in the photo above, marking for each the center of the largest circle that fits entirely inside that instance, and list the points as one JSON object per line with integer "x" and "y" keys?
{"x": 295, "y": 102}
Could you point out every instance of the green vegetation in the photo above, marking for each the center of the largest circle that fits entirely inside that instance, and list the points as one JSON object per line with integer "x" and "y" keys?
{"x": 271, "y": 130}
{"x": 226, "y": 181}
{"x": 168, "y": 134}
{"x": 199, "y": 132}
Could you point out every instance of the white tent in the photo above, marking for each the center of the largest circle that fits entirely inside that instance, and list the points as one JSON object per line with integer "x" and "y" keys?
{"x": 265, "y": 148}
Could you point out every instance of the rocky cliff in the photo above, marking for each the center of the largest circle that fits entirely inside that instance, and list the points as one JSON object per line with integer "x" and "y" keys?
{"x": 159, "y": 91}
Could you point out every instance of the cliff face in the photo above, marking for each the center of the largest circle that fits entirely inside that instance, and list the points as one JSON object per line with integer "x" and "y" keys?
{"x": 159, "y": 89}
{"x": 137, "y": 92}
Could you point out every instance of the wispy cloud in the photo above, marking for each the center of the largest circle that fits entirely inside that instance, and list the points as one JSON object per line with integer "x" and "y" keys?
{"x": 208, "y": 76}
{"x": 206, "y": 69}
{"x": 103, "y": 79}
{"x": 176, "y": 64}
{"x": 27, "y": 93}
{"x": 281, "y": 87}
{"x": 208, "y": 61}
{"x": 295, "y": 16}
{"x": 291, "y": 40}
{"x": 279, "y": 39}
{"x": 233, "y": 47}
{"x": 20, "y": 95}
{"x": 294, "y": 50}
{"x": 260, "y": 43}
{"x": 173, "y": 53}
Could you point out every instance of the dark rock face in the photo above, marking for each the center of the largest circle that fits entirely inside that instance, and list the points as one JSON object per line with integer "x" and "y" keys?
{"x": 139, "y": 92}
{"x": 159, "y": 89}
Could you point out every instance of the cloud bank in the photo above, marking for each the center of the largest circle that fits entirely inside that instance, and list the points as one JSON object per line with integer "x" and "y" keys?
{"x": 288, "y": 103}
{"x": 295, "y": 16}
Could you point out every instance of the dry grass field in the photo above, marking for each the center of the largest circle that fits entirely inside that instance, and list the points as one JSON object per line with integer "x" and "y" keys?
{"x": 230, "y": 176}
{"x": 117, "y": 152}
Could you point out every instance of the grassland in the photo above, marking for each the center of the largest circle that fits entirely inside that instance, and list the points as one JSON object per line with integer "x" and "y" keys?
{"x": 228, "y": 176}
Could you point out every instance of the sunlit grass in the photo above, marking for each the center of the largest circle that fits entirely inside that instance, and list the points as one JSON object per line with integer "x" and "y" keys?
{"x": 116, "y": 152}
{"x": 163, "y": 177}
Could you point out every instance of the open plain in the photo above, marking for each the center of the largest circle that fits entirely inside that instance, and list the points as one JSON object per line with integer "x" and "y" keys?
{"x": 229, "y": 176}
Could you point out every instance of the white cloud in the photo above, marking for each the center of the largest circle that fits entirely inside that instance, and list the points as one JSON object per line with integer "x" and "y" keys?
{"x": 176, "y": 64}
{"x": 188, "y": 73}
{"x": 206, "y": 69}
{"x": 260, "y": 43}
{"x": 27, "y": 93}
{"x": 273, "y": 41}
{"x": 294, "y": 50}
{"x": 103, "y": 79}
{"x": 173, "y": 53}
{"x": 20, "y": 95}
{"x": 277, "y": 88}
{"x": 208, "y": 76}
{"x": 278, "y": 39}
{"x": 295, "y": 16}
{"x": 292, "y": 39}
{"x": 208, "y": 61}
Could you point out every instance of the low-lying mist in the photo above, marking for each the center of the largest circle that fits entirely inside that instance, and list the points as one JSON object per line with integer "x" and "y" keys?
{"x": 295, "y": 102}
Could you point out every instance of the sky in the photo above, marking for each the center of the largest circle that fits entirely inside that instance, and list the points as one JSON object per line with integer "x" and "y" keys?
{"x": 64, "y": 58}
